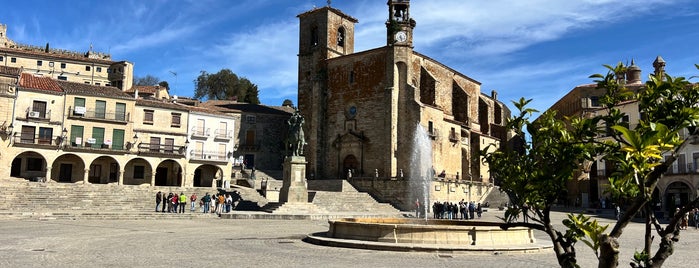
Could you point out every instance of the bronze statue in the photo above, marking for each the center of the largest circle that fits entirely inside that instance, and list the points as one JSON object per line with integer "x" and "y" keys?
{"x": 295, "y": 139}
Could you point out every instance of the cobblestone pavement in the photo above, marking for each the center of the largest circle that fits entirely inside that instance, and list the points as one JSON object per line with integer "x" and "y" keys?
{"x": 254, "y": 243}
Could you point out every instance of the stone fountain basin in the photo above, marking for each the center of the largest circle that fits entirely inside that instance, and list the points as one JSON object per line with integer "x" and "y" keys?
{"x": 420, "y": 231}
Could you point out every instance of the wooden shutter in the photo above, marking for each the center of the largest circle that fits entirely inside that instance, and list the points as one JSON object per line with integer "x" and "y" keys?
{"x": 118, "y": 139}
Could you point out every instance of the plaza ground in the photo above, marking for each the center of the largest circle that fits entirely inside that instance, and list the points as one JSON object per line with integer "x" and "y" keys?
{"x": 257, "y": 243}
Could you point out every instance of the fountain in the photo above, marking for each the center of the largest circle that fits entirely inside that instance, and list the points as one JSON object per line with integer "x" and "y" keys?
{"x": 417, "y": 234}
{"x": 421, "y": 171}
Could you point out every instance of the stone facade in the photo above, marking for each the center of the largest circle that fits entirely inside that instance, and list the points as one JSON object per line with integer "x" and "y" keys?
{"x": 362, "y": 109}
{"x": 89, "y": 67}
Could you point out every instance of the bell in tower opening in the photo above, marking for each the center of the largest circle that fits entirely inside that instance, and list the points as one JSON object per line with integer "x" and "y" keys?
{"x": 400, "y": 9}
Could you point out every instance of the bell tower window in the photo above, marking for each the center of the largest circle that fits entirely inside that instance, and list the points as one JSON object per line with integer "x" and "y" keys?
{"x": 341, "y": 37}
{"x": 314, "y": 36}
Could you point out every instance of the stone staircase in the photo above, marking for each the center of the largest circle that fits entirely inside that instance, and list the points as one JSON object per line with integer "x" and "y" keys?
{"x": 496, "y": 198}
{"x": 21, "y": 199}
{"x": 335, "y": 196}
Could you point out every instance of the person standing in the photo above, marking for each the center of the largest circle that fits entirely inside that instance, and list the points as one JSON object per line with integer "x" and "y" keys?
{"x": 183, "y": 202}
{"x": 192, "y": 200}
{"x": 158, "y": 199}
{"x": 167, "y": 203}
{"x": 229, "y": 203}
{"x": 219, "y": 205}
{"x": 207, "y": 202}
{"x": 417, "y": 208}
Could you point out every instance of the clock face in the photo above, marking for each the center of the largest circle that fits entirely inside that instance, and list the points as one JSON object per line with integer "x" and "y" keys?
{"x": 401, "y": 36}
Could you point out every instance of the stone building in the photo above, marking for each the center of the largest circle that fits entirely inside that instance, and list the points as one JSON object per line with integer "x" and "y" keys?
{"x": 362, "y": 109}
{"x": 676, "y": 188}
{"x": 261, "y": 131}
{"x": 94, "y": 68}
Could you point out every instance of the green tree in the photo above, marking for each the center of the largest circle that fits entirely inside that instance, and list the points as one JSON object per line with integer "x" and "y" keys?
{"x": 555, "y": 151}
{"x": 225, "y": 85}
{"x": 288, "y": 102}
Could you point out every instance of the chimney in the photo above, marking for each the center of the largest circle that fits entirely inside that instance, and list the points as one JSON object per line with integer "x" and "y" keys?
{"x": 494, "y": 95}
{"x": 633, "y": 74}
{"x": 135, "y": 94}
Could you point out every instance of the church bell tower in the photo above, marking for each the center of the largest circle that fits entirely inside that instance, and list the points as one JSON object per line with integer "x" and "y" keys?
{"x": 399, "y": 25}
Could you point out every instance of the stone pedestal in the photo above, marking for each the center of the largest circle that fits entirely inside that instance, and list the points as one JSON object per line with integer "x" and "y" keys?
{"x": 294, "y": 189}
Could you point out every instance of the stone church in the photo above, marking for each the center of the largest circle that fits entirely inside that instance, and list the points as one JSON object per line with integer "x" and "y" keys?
{"x": 362, "y": 108}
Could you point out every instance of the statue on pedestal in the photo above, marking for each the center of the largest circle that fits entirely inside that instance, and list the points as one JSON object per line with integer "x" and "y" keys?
{"x": 295, "y": 139}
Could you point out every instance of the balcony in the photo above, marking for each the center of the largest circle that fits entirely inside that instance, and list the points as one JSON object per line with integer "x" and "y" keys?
{"x": 30, "y": 114}
{"x": 223, "y": 134}
{"x": 95, "y": 147}
{"x": 200, "y": 132}
{"x": 156, "y": 149}
{"x": 208, "y": 156}
{"x": 98, "y": 115}
{"x": 31, "y": 140}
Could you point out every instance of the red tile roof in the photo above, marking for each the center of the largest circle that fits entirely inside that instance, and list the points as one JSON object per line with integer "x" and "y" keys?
{"x": 93, "y": 90}
{"x": 143, "y": 89}
{"x": 32, "y": 81}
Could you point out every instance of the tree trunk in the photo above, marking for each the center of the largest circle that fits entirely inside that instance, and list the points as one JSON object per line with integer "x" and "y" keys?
{"x": 609, "y": 252}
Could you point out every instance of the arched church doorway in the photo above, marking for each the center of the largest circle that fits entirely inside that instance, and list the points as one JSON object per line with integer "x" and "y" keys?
{"x": 350, "y": 165}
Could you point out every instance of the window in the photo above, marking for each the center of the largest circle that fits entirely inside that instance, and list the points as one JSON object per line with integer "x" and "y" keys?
{"x": 1, "y": 58}
{"x": 97, "y": 84}
{"x": 120, "y": 111}
{"x": 39, "y": 63}
{"x": 351, "y": 77}
{"x": 341, "y": 37}
{"x": 100, "y": 109}
{"x": 154, "y": 144}
{"x": 139, "y": 172}
{"x": 314, "y": 36}
{"x": 118, "y": 139}
{"x": 250, "y": 119}
{"x": 79, "y": 109}
{"x": 98, "y": 69}
{"x": 169, "y": 145}
{"x": 38, "y": 109}
{"x": 87, "y": 82}
{"x": 13, "y": 60}
{"x": 63, "y": 65}
{"x": 35, "y": 164}
{"x": 594, "y": 101}
{"x": 45, "y": 135}
{"x": 27, "y": 135}
{"x": 148, "y": 117}
{"x": 98, "y": 137}
{"x": 76, "y": 136}
{"x": 87, "y": 68}
{"x": 63, "y": 78}
{"x": 175, "y": 120}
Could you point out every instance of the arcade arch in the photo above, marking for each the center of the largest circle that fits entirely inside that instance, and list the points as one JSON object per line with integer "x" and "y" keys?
{"x": 28, "y": 165}
{"x": 68, "y": 168}
{"x": 205, "y": 175}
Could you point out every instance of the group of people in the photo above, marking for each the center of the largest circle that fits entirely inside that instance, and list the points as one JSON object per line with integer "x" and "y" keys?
{"x": 174, "y": 203}
{"x": 689, "y": 217}
{"x": 453, "y": 211}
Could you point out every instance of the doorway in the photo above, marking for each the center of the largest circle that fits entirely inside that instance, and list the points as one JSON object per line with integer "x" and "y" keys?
{"x": 65, "y": 173}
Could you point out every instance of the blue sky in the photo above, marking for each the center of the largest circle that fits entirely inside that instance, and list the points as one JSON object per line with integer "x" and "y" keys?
{"x": 537, "y": 49}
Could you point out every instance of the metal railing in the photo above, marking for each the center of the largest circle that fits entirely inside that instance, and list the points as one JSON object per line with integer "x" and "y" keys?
{"x": 208, "y": 155}
{"x": 200, "y": 132}
{"x": 223, "y": 134}
{"x": 37, "y": 139}
{"x": 95, "y": 146}
{"x": 98, "y": 114}
{"x": 157, "y": 148}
